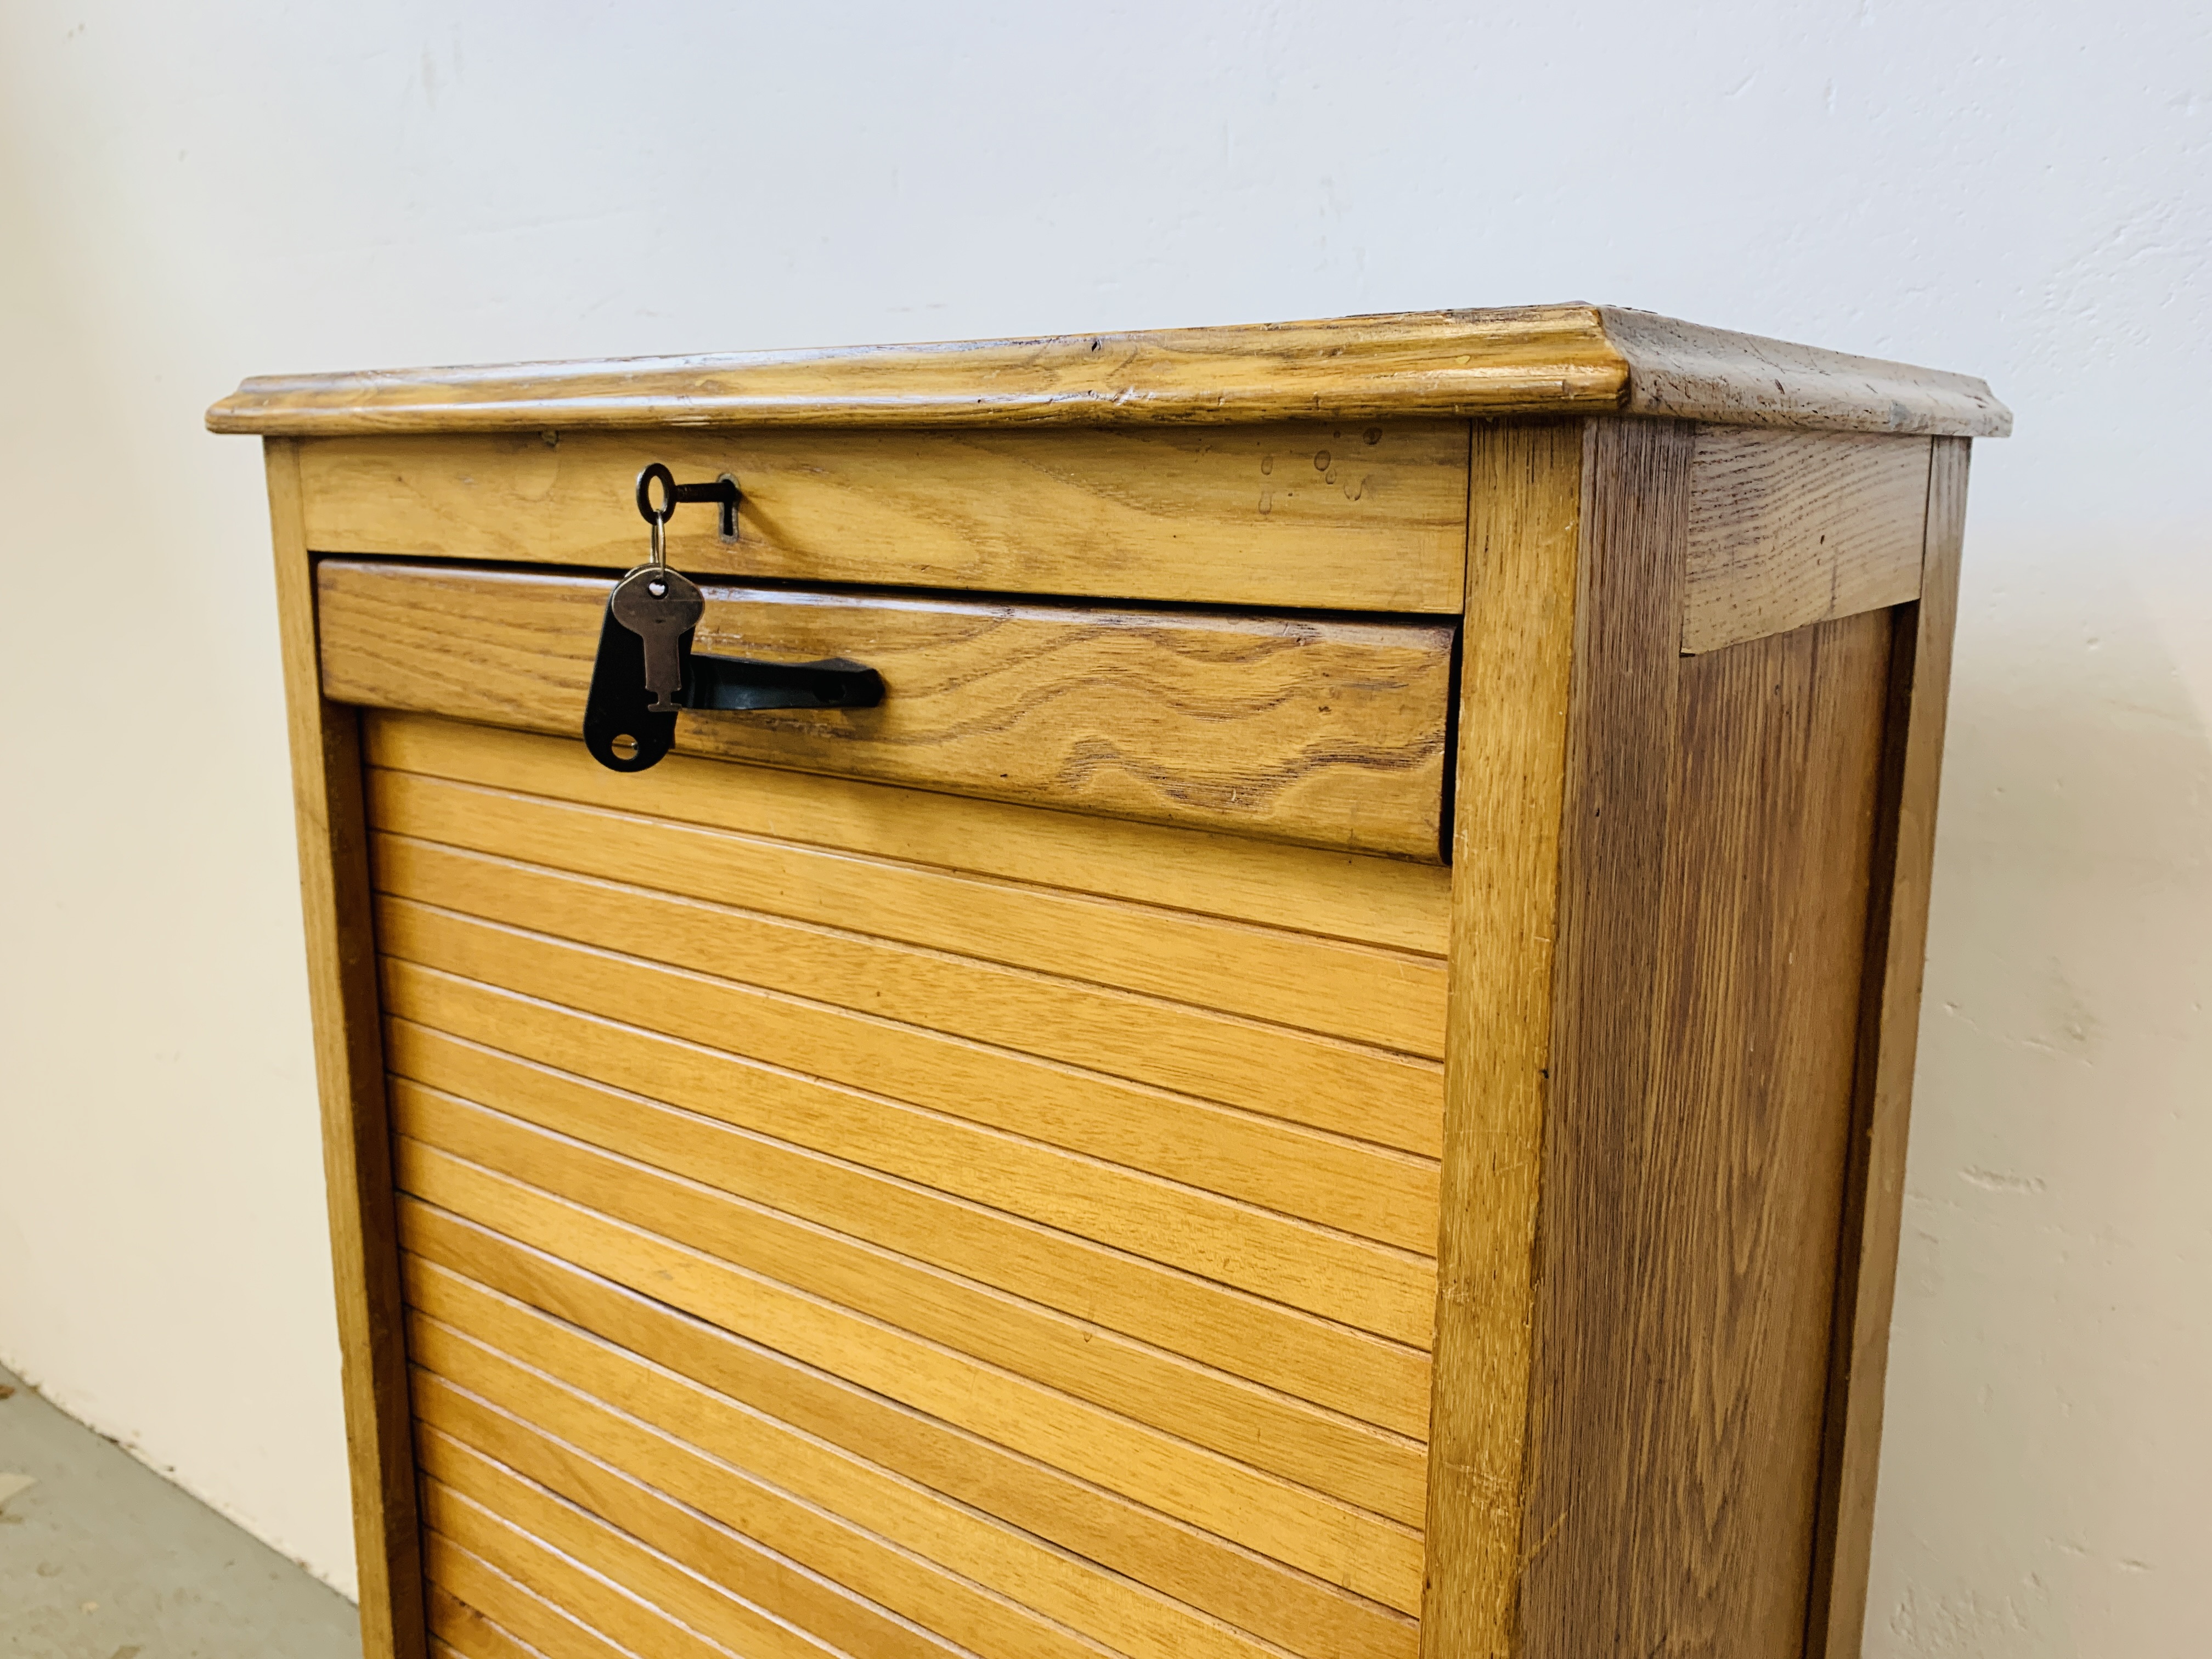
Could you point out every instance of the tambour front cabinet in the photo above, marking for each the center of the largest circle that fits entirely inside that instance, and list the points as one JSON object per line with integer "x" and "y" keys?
{"x": 1263, "y": 1006}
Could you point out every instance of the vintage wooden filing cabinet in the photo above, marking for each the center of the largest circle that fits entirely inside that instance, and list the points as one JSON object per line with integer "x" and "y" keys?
{"x": 1325, "y": 1076}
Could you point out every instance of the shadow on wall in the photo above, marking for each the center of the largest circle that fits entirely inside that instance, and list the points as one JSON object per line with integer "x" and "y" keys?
{"x": 2051, "y": 1353}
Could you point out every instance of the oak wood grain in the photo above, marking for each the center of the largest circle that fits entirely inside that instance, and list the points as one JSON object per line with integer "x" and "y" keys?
{"x": 1014, "y": 1525}
{"x": 457, "y": 1628}
{"x": 969, "y": 1182}
{"x": 1385, "y": 902}
{"x": 865, "y": 1313}
{"x": 485, "y": 977}
{"x": 792, "y": 1557}
{"x": 1328, "y": 732}
{"x": 946, "y": 1565}
{"x": 1615, "y": 766}
{"x": 1536, "y": 360}
{"x": 1515, "y": 681}
{"x": 1371, "y": 1094}
{"x": 1075, "y": 1350}
{"x": 920, "y": 1092}
{"x": 1769, "y": 856}
{"x": 1897, "y": 937}
{"x": 688, "y": 1595}
{"x": 335, "y": 904}
{"x": 572, "y": 1599}
{"x": 1371, "y": 1379}
{"x": 1393, "y": 1000}
{"x": 1692, "y": 372}
{"x": 1716, "y": 839}
{"x": 1318, "y": 516}
{"x": 479, "y": 1608}
{"x": 1791, "y": 528}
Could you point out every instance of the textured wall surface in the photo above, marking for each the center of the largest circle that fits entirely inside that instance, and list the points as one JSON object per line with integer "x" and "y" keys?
{"x": 192, "y": 194}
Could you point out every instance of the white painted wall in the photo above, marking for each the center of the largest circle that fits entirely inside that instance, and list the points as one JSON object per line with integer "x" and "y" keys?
{"x": 190, "y": 194}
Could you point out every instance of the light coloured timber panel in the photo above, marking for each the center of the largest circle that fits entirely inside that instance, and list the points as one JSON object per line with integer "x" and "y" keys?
{"x": 789, "y": 1201}
{"x": 1068, "y": 1350}
{"x": 1787, "y": 529}
{"x": 945, "y": 1388}
{"x": 1329, "y": 732}
{"x": 688, "y": 1612}
{"x": 1392, "y": 906}
{"x": 659, "y": 1512}
{"x": 458, "y": 1631}
{"x": 1347, "y": 1182}
{"x": 498, "y": 1606}
{"x": 1360, "y": 516}
{"x": 1393, "y": 999}
{"x": 994, "y": 1540}
{"x": 1271, "y": 1071}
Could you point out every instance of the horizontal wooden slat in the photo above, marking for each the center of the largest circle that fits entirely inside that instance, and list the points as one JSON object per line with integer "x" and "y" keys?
{"x": 1324, "y": 1083}
{"x": 1050, "y": 1527}
{"x": 463, "y": 1582}
{"x": 1264, "y": 1425}
{"x": 793, "y": 1557}
{"x": 1024, "y": 1587}
{"x": 458, "y": 1631}
{"x": 1791, "y": 528}
{"x": 1382, "y": 902}
{"x": 722, "y": 1619}
{"x": 1354, "y": 1186}
{"x": 907, "y": 1335}
{"x": 975, "y": 1202}
{"x": 625, "y": 1621}
{"x": 1391, "y": 998}
{"x": 1329, "y": 732}
{"x": 1268, "y": 1519}
{"x": 765, "y": 1581}
{"x": 1318, "y": 516}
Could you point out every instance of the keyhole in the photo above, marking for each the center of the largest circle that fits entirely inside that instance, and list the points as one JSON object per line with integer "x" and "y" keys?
{"x": 657, "y": 587}
{"x": 624, "y": 745}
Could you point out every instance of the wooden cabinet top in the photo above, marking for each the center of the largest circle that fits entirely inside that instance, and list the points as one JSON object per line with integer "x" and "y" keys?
{"x": 1530, "y": 361}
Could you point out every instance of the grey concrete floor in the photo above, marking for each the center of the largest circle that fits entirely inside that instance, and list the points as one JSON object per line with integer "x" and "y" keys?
{"x": 101, "y": 1559}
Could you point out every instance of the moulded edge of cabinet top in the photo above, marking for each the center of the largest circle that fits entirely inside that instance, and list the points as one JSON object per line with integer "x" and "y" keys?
{"x": 1533, "y": 360}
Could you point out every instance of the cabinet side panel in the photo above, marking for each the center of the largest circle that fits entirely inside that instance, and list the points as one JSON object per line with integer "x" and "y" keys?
{"x": 1525, "y": 519}
{"x": 337, "y": 904}
{"x": 1716, "y": 845}
{"x": 1897, "y": 938}
{"x": 1741, "y": 1167}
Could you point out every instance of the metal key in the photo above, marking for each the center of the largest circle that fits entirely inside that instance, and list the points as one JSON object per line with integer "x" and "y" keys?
{"x": 659, "y": 605}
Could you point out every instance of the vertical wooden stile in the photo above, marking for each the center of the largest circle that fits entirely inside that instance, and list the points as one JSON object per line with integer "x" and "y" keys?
{"x": 338, "y": 905}
{"x": 1889, "y": 1033}
{"x": 1524, "y": 535}
{"x": 1613, "y": 846}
